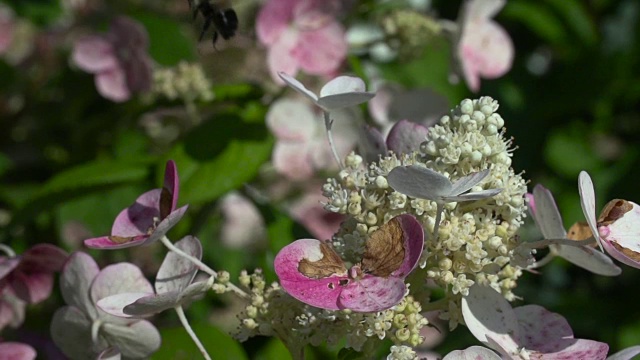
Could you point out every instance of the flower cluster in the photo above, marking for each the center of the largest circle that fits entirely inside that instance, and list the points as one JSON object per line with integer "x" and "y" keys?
{"x": 186, "y": 81}
{"x": 475, "y": 240}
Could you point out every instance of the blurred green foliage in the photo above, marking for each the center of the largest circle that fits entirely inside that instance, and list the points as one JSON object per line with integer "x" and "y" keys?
{"x": 571, "y": 103}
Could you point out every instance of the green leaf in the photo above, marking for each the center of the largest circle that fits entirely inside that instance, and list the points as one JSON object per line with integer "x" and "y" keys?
{"x": 538, "y": 18}
{"x": 168, "y": 43}
{"x": 177, "y": 345}
{"x": 82, "y": 180}
{"x": 350, "y": 354}
{"x": 576, "y": 17}
{"x": 568, "y": 152}
{"x": 5, "y": 164}
{"x": 220, "y": 155}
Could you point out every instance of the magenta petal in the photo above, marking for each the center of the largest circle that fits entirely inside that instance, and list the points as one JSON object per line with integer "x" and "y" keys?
{"x": 172, "y": 182}
{"x": 44, "y": 257}
{"x": 176, "y": 272}
{"x": 17, "y": 351}
{"x": 112, "y": 84}
{"x": 315, "y": 292}
{"x": 139, "y": 218}
{"x": 413, "y": 244}
{"x": 33, "y": 287}
{"x": 105, "y": 243}
{"x": 94, "y": 54}
{"x": 7, "y": 264}
{"x": 406, "y": 137}
{"x": 372, "y": 294}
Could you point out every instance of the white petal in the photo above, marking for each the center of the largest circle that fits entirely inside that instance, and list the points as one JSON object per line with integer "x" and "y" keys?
{"x": 465, "y": 183}
{"x": 334, "y": 102}
{"x": 419, "y": 182}
{"x": 472, "y": 353}
{"x": 138, "y": 340}
{"x": 547, "y": 215}
{"x": 297, "y": 86}
{"x": 478, "y": 195}
{"x": 589, "y": 259}
{"x": 75, "y": 281}
{"x": 343, "y": 85}
{"x": 177, "y": 272}
{"x": 625, "y": 354}
{"x": 488, "y": 314}
{"x": 588, "y": 203}
{"x": 115, "y": 304}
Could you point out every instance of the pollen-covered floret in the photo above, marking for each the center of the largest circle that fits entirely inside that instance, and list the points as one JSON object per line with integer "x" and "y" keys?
{"x": 187, "y": 82}
{"x": 476, "y": 239}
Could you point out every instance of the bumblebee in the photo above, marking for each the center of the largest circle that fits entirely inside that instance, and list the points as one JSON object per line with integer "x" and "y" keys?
{"x": 223, "y": 19}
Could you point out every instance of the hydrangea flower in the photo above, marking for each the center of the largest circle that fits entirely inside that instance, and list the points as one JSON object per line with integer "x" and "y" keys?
{"x": 617, "y": 230}
{"x": 547, "y": 217}
{"x": 119, "y": 59}
{"x": 16, "y": 351}
{"x": 302, "y": 34}
{"x": 301, "y": 148}
{"x": 173, "y": 286}
{"x": 477, "y": 240}
{"x": 528, "y": 331}
{"x": 482, "y": 48}
{"x": 312, "y": 272}
{"x": 152, "y": 215}
{"x": 30, "y": 275}
{"x": 81, "y": 330}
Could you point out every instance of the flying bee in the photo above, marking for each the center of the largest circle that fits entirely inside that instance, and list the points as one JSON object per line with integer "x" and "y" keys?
{"x": 223, "y": 19}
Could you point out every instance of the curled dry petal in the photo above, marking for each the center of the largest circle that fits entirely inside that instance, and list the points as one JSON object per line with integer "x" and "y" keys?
{"x": 312, "y": 272}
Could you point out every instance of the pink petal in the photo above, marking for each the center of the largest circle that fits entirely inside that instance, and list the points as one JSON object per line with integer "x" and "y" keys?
{"x": 273, "y": 18}
{"x": 315, "y": 14}
{"x": 372, "y": 144}
{"x": 292, "y": 160}
{"x": 322, "y": 51}
{"x": 539, "y": 327}
{"x": 372, "y": 294}
{"x": 575, "y": 349}
{"x": 176, "y": 272}
{"x": 128, "y": 34}
{"x": 292, "y": 120}
{"x": 94, "y": 54}
{"x": 311, "y": 214}
{"x": 16, "y": 351}
{"x": 482, "y": 9}
{"x": 138, "y": 70}
{"x": 112, "y": 84}
{"x": 34, "y": 287}
{"x": 280, "y": 58}
{"x": 167, "y": 224}
{"x": 322, "y": 293}
{"x": 625, "y": 354}
{"x": 44, "y": 257}
{"x": 12, "y": 309}
{"x": 138, "y": 219}
{"x": 406, "y": 137}
{"x": 485, "y": 50}
{"x": 7, "y": 26}
{"x": 104, "y": 242}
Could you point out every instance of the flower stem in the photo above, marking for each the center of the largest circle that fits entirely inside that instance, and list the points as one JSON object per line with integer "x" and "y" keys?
{"x": 328, "y": 123}
{"x": 202, "y": 266}
{"x": 194, "y": 337}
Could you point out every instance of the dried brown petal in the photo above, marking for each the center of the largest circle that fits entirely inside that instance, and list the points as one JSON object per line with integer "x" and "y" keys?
{"x": 330, "y": 264}
{"x": 627, "y": 252}
{"x": 579, "y": 231}
{"x": 120, "y": 239}
{"x": 384, "y": 252}
{"x": 614, "y": 210}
